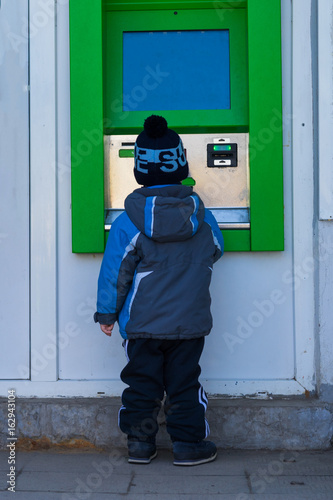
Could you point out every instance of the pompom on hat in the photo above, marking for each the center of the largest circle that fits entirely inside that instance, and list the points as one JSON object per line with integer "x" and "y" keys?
{"x": 159, "y": 156}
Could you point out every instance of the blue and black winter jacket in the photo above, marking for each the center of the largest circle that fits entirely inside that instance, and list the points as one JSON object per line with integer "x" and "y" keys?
{"x": 157, "y": 266}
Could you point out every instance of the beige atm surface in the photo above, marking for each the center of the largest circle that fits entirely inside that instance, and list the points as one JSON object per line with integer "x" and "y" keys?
{"x": 219, "y": 164}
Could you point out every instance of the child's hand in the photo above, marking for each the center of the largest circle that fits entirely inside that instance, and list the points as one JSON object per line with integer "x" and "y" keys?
{"x": 107, "y": 329}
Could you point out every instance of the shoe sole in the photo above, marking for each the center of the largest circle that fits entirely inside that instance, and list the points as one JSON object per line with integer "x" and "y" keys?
{"x": 195, "y": 462}
{"x": 134, "y": 460}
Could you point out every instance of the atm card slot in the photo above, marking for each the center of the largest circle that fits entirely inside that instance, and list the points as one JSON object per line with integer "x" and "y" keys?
{"x": 222, "y": 155}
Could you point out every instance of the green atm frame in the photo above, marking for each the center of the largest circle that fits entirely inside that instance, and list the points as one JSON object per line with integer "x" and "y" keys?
{"x": 256, "y": 104}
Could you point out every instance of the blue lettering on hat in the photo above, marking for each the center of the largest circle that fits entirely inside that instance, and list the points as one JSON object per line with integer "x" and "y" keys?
{"x": 181, "y": 154}
{"x": 167, "y": 160}
{"x": 141, "y": 160}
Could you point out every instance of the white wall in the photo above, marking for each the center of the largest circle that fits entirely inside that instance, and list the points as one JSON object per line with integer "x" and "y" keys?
{"x": 325, "y": 198}
{"x": 266, "y": 353}
{"x": 263, "y": 304}
{"x": 14, "y": 191}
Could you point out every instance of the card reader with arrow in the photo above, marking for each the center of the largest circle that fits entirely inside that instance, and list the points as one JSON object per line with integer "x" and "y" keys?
{"x": 222, "y": 155}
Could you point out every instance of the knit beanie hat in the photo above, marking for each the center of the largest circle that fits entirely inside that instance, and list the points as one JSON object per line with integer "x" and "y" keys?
{"x": 159, "y": 156}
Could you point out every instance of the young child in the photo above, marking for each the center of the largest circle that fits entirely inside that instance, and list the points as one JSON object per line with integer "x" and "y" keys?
{"x": 154, "y": 281}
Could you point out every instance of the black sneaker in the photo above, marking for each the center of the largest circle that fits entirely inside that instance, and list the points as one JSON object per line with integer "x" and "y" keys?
{"x": 141, "y": 452}
{"x": 193, "y": 453}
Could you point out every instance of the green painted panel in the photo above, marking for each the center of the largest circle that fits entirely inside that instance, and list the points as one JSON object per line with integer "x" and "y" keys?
{"x": 181, "y": 129}
{"x": 126, "y": 153}
{"x": 217, "y": 5}
{"x": 265, "y": 125}
{"x": 236, "y": 240}
{"x": 184, "y": 121}
{"x": 87, "y": 126}
{"x": 260, "y": 110}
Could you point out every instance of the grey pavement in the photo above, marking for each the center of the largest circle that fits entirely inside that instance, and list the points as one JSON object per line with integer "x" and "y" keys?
{"x": 235, "y": 475}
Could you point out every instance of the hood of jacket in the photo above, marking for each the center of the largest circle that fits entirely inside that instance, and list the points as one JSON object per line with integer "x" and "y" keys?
{"x": 166, "y": 213}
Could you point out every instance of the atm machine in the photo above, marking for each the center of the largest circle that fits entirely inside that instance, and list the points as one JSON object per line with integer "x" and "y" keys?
{"x": 213, "y": 70}
{"x": 219, "y": 173}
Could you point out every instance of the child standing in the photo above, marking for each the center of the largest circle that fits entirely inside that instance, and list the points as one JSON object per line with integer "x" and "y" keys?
{"x": 154, "y": 281}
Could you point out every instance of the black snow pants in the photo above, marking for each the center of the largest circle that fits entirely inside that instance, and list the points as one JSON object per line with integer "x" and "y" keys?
{"x": 156, "y": 367}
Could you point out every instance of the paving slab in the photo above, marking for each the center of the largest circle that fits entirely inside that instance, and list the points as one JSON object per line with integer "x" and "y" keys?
{"x": 188, "y": 483}
{"x": 228, "y": 462}
{"x": 129, "y": 496}
{"x": 117, "y": 496}
{"x": 234, "y": 475}
{"x": 292, "y": 496}
{"x": 116, "y": 461}
{"x": 68, "y": 461}
{"x": 81, "y": 483}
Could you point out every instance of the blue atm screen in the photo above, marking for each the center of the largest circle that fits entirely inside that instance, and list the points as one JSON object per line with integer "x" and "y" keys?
{"x": 176, "y": 70}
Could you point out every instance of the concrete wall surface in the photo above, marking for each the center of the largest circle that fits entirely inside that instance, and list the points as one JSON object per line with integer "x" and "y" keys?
{"x": 238, "y": 423}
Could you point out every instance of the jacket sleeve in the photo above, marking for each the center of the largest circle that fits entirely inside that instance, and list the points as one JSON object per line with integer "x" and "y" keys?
{"x": 216, "y": 233}
{"x": 117, "y": 270}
